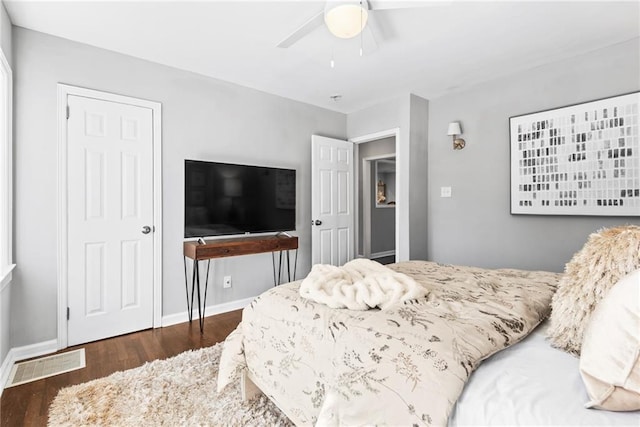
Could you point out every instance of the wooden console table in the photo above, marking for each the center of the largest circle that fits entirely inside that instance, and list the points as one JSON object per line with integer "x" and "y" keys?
{"x": 221, "y": 248}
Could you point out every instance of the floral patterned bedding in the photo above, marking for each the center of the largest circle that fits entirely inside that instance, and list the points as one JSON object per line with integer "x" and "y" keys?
{"x": 406, "y": 365}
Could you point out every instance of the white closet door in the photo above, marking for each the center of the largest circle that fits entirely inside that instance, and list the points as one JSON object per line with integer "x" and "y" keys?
{"x": 110, "y": 219}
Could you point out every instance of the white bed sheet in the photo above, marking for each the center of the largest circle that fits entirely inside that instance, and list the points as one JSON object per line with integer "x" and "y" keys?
{"x": 531, "y": 383}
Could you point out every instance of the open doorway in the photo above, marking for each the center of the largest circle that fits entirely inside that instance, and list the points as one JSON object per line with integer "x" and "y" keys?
{"x": 376, "y": 218}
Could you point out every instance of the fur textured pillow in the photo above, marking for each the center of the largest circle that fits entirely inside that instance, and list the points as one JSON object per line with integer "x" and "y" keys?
{"x": 609, "y": 255}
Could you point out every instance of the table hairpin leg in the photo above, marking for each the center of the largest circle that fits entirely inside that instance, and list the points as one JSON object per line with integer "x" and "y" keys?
{"x": 288, "y": 267}
{"x": 204, "y": 305}
{"x": 190, "y": 296}
{"x": 195, "y": 287}
{"x": 273, "y": 264}
{"x": 295, "y": 265}
{"x": 196, "y": 270}
{"x": 186, "y": 288}
{"x": 277, "y": 274}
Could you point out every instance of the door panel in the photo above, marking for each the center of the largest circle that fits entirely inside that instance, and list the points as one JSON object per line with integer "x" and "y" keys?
{"x": 110, "y": 199}
{"x": 130, "y": 277}
{"x": 344, "y": 244}
{"x": 326, "y": 243}
{"x": 344, "y": 154}
{"x": 94, "y": 278}
{"x": 343, "y": 195}
{"x": 94, "y": 176}
{"x": 325, "y": 192}
{"x": 331, "y": 201}
{"x": 130, "y": 185}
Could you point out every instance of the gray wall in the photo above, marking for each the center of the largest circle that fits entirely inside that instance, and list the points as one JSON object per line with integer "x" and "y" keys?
{"x": 372, "y": 149}
{"x": 203, "y": 118}
{"x": 475, "y": 227}
{"x": 5, "y": 293}
{"x": 418, "y": 132}
{"x": 408, "y": 114}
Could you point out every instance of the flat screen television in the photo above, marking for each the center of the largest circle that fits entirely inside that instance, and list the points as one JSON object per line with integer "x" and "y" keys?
{"x": 225, "y": 198}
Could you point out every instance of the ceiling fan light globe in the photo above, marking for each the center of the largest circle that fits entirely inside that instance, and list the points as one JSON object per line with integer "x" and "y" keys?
{"x": 345, "y": 20}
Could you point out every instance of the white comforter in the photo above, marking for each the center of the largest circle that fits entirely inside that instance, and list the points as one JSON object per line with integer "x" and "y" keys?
{"x": 405, "y": 365}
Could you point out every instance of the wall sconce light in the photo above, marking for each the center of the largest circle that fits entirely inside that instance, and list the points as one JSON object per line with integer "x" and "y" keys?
{"x": 454, "y": 130}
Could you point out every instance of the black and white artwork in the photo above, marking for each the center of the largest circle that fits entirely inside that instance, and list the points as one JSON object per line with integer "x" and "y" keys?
{"x": 578, "y": 160}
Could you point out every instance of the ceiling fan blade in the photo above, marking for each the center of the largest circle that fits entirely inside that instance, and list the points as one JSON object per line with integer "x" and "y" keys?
{"x": 313, "y": 23}
{"x": 377, "y": 34}
{"x": 407, "y": 4}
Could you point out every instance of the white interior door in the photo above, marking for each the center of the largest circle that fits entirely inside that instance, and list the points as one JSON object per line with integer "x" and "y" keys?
{"x": 331, "y": 201}
{"x": 110, "y": 204}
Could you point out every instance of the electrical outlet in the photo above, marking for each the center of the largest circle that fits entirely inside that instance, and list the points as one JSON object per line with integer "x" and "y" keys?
{"x": 226, "y": 282}
{"x": 445, "y": 191}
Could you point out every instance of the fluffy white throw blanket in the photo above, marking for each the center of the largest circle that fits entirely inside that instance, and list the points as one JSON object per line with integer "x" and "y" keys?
{"x": 360, "y": 284}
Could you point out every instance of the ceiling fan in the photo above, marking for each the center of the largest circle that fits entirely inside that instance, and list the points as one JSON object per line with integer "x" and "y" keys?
{"x": 348, "y": 18}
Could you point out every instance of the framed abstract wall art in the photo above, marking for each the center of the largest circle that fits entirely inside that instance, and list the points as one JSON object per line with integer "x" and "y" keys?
{"x": 582, "y": 159}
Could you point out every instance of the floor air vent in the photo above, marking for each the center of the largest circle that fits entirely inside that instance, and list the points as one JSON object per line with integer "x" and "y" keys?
{"x": 44, "y": 367}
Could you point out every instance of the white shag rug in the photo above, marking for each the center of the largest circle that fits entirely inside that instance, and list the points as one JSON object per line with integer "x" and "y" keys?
{"x": 173, "y": 392}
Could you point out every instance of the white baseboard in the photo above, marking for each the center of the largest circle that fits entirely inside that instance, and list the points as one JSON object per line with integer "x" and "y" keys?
{"x": 173, "y": 319}
{"x": 382, "y": 254}
{"x": 17, "y": 354}
{"x": 5, "y": 370}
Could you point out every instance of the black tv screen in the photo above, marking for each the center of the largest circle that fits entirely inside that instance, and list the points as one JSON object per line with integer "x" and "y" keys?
{"x": 224, "y": 198}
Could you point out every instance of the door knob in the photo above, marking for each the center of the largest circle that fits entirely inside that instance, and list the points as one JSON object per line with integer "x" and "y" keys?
{"x": 146, "y": 229}
{"x": 318, "y": 222}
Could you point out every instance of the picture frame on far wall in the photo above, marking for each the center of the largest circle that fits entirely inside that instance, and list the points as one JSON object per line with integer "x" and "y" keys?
{"x": 582, "y": 159}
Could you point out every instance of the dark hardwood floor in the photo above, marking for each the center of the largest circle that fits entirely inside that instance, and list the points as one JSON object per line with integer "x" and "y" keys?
{"x": 27, "y": 404}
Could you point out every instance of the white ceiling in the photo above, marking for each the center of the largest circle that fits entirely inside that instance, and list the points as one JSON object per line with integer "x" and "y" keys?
{"x": 429, "y": 50}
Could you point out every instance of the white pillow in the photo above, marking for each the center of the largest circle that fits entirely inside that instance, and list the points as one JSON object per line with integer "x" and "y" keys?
{"x": 610, "y": 358}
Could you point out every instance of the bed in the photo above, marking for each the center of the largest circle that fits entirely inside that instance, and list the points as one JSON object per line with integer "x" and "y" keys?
{"x": 404, "y": 365}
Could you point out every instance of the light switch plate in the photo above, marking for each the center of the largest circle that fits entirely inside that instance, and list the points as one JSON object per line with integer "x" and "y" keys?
{"x": 445, "y": 191}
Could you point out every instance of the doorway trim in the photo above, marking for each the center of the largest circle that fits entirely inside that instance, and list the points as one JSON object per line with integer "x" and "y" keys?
{"x": 401, "y": 176}
{"x": 64, "y": 91}
{"x": 366, "y": 202}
